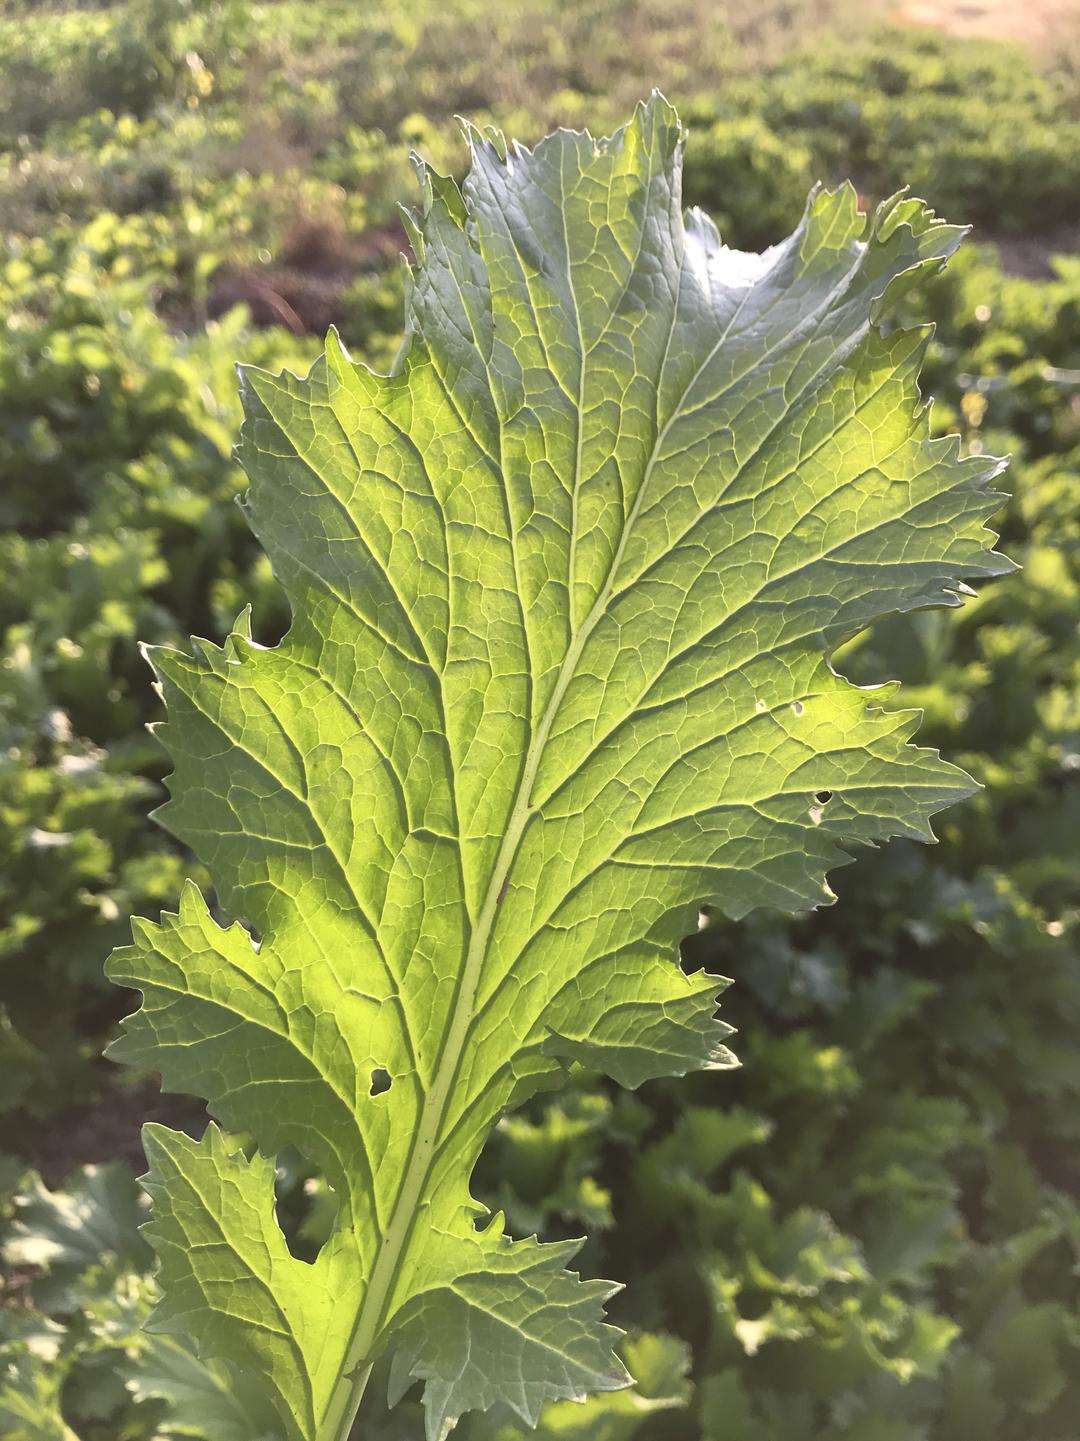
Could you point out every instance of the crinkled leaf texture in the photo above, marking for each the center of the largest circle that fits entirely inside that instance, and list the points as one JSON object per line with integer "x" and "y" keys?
{"x": 563, "y": 588}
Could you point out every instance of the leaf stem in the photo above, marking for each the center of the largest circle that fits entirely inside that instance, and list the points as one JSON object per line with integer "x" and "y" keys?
{"x": 345, "y": 1403}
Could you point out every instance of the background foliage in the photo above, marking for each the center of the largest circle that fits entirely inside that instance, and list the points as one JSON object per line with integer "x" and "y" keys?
{"x": 872, "y": 1232}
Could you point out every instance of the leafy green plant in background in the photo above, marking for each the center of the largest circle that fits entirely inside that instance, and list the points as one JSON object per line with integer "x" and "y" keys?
{"x": 562, "y": 585}
{"x": 913, "y": 1074}
{"x": 115, "y": 451}
{"x": 79, "y": 1334}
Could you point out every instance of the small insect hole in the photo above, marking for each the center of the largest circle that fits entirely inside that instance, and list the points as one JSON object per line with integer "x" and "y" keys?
{"x": 381, "y": 1081}
{"x": 306, "y": 1205}
{"x": 798, "y": 707}
{"x": 823, "y": 797}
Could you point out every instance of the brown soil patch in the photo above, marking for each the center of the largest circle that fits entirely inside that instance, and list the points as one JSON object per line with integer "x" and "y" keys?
{"x": 306, "y": 285}
{"x": 107, "y": 1127}
{"x": 1044, "y": 24}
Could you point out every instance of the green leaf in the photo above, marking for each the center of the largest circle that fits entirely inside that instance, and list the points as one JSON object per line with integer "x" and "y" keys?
{"x": 658, "y": 1365}
{"x": 90, "y": 1223}
{"x": 204, "y": 1399}
{"x": 84, "y": 1242}
{"x": 563, "y": 589}
{"x": 31, "y": 1379}
{"x": 1029, "y": 1349}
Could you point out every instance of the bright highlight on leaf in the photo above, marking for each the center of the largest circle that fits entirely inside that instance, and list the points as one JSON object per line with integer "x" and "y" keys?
{"x": 563, "y": 589}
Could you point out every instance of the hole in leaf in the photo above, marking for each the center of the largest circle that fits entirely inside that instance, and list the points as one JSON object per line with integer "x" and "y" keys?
{"x": 381, "y": 1081}
{"x": 823, "y": 797}
{"x": 538, "y": 1167}
{"x": 703, "y": 947}
{"x": 306, "y": 1205}
{"x": 798, "y": 707}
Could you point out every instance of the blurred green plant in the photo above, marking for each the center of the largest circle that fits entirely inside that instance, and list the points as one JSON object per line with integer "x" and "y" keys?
{"x": 877, "y": 1238}
{"x": 77, "y": 1365}
{"x": 115, "y": 436}
{"x": 751, "y": 180}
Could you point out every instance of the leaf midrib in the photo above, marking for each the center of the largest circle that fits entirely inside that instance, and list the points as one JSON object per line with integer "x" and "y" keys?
{"x": 397, "y": 1236}
{"x": 398, "y": 1232}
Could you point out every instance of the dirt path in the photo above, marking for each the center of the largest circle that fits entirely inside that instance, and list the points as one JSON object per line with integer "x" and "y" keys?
{"x": 1045, "y": 24}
